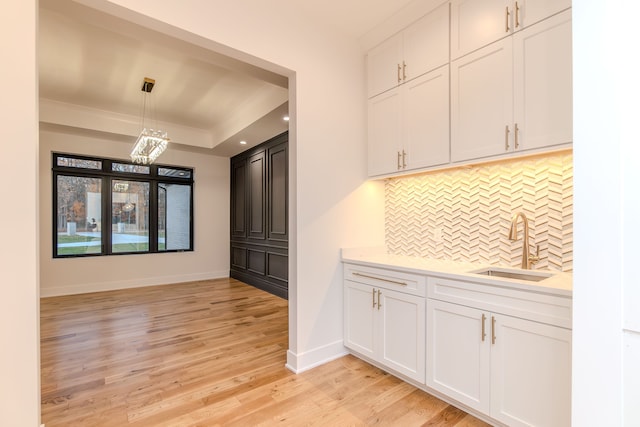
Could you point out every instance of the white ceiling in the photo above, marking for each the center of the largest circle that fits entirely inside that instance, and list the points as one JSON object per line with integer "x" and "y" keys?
{"x": 352, "y": 17}
{"x": 97, "y": 61}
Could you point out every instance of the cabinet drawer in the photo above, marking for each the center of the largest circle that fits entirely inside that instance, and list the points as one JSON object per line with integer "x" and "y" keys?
{"x": 386, "y": 279}
{"x": 550, "y": 309}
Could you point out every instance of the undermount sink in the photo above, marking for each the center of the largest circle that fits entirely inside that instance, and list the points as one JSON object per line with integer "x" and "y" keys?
{"x": 533, "y": 276}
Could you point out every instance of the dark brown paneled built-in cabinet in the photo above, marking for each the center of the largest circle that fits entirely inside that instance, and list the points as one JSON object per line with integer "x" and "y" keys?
{"x": 259, "y": 217}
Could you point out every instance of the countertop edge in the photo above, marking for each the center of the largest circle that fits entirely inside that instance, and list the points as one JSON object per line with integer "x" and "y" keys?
{"x": 560, "y": 284}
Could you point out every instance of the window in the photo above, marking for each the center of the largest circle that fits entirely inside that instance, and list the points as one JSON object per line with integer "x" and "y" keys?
{"x": 108, "y": 207}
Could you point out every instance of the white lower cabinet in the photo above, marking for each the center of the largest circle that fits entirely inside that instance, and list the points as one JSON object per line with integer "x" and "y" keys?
{"x": 530, "y": 373}
{"x": 385, "y": 324}
{"x": 515, "y": 370}
{"x": 458, "y": 358}
{"x": 501, "y": 351}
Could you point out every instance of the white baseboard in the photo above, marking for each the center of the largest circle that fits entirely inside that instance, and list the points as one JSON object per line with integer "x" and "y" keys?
{"x": 300, "y": 362}
{"x": 128, "y": 284}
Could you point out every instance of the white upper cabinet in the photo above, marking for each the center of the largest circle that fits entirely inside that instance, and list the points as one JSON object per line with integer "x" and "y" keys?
{"x": 529, "y": 12}
{"x": 409, "y": 125}
{"x": 385, "y": 133}
{"x": 425, "y": 134}
{"x": 420, "y": 48}
{"x": 482, "y": 102}
{"x": 477, "y": 23}
{"x": 514, "y": 95}
{"x": 543, "y": 87}
{"x": 505, "y": 89}
{"x": 384, "y": 66}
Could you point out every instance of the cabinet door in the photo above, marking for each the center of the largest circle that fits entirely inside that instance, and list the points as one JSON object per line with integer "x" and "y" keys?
{"x": 458, "y": 354}
{"x": 385, "y": 133}
{"x": 359, "y": 321}
{"x": 482, "y": 103}
{"x": 543, "y": 83}
{"x": 426, "y": 43}
{"x": 531, "y": 11}
{"x": 401, "y": 333}
{"x": 476, "y": 23}
{"x": 426, "y": 119}
{"x": 384, "y": 66}
{"x": 531, "y": 373}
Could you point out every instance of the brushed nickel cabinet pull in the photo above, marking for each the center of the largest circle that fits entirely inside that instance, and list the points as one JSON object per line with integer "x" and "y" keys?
{"x": 515, "y": 136}
{"x": 380, "y": 278}
{"x": 374, "y": 297}
{"x": 404, "y": 159}
{"x": 399, "y": 76}
{"x": 517, "y": 15}
{"x": 399, "y": 165}
{"x": 506, "y": 20}
{"x": 506, "y": 138}
{"x": 404, "y": 71}
{"x": 484, "y": 333}
{"x": 379, "y": 305}
{"x": 493, "y": 330}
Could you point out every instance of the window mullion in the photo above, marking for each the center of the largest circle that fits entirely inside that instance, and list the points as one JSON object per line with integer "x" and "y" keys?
{"x": 107, "y": 213}
{"x": 153, "y": 216}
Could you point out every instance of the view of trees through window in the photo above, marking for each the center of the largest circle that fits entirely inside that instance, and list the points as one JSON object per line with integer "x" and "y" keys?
{"x": 129, "y": 216}
{"x": 79, "y": 213}
{"x": 105, "y": 207}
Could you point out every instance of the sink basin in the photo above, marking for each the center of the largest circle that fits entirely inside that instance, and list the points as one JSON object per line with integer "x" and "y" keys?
{"x": 533, "y": 276}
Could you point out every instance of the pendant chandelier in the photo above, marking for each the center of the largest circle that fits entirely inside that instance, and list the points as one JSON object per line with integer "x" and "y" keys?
{"x": 151, "y": 142}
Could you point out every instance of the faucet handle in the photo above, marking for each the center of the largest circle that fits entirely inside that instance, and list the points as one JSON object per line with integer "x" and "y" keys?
{"x": 535, "y": 258}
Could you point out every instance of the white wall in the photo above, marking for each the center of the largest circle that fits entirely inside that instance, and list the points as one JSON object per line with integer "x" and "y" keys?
{"x": 597, "y": 374}
{"x": 331, "y": 206}
{"x": 19, "y": 325}
{"x": 210, "y": 258}
{"x": 606, "y": 366}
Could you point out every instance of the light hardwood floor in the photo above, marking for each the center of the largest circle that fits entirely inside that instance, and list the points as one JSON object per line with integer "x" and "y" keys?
{"x": 207, "y": 353}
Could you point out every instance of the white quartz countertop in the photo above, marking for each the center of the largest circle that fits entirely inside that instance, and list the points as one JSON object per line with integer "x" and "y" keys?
{"x": 559, "y": 283}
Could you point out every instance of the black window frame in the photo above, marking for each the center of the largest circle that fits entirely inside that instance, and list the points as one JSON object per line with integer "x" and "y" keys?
{"x": 108, "y": 175}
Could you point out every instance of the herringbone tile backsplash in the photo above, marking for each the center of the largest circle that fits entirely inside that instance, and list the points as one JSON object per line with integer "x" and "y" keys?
{"x": 465, "y": 214}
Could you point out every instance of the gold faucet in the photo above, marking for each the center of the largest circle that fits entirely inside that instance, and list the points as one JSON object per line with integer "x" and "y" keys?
{"x": 527, "y": 258}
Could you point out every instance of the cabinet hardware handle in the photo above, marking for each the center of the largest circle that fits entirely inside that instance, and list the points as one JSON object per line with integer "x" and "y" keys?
{"x": 404, "y": 71}
{"x": 399, "y": 77}
{"x": 506, "y": 138}
{"x": 484, "y": 333}
{"x": 515, "y": 136}
{"x": 399, "y": 165}
{"x": 374, "y": 297}
{"x": 379, "y": 305}
{"x": 493, "y": 330}
{"x": 506, "y": 20}
{"x": 380, "y": 278}
{"x": 404, "y": 159}
{"x": 517, "y": 15}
